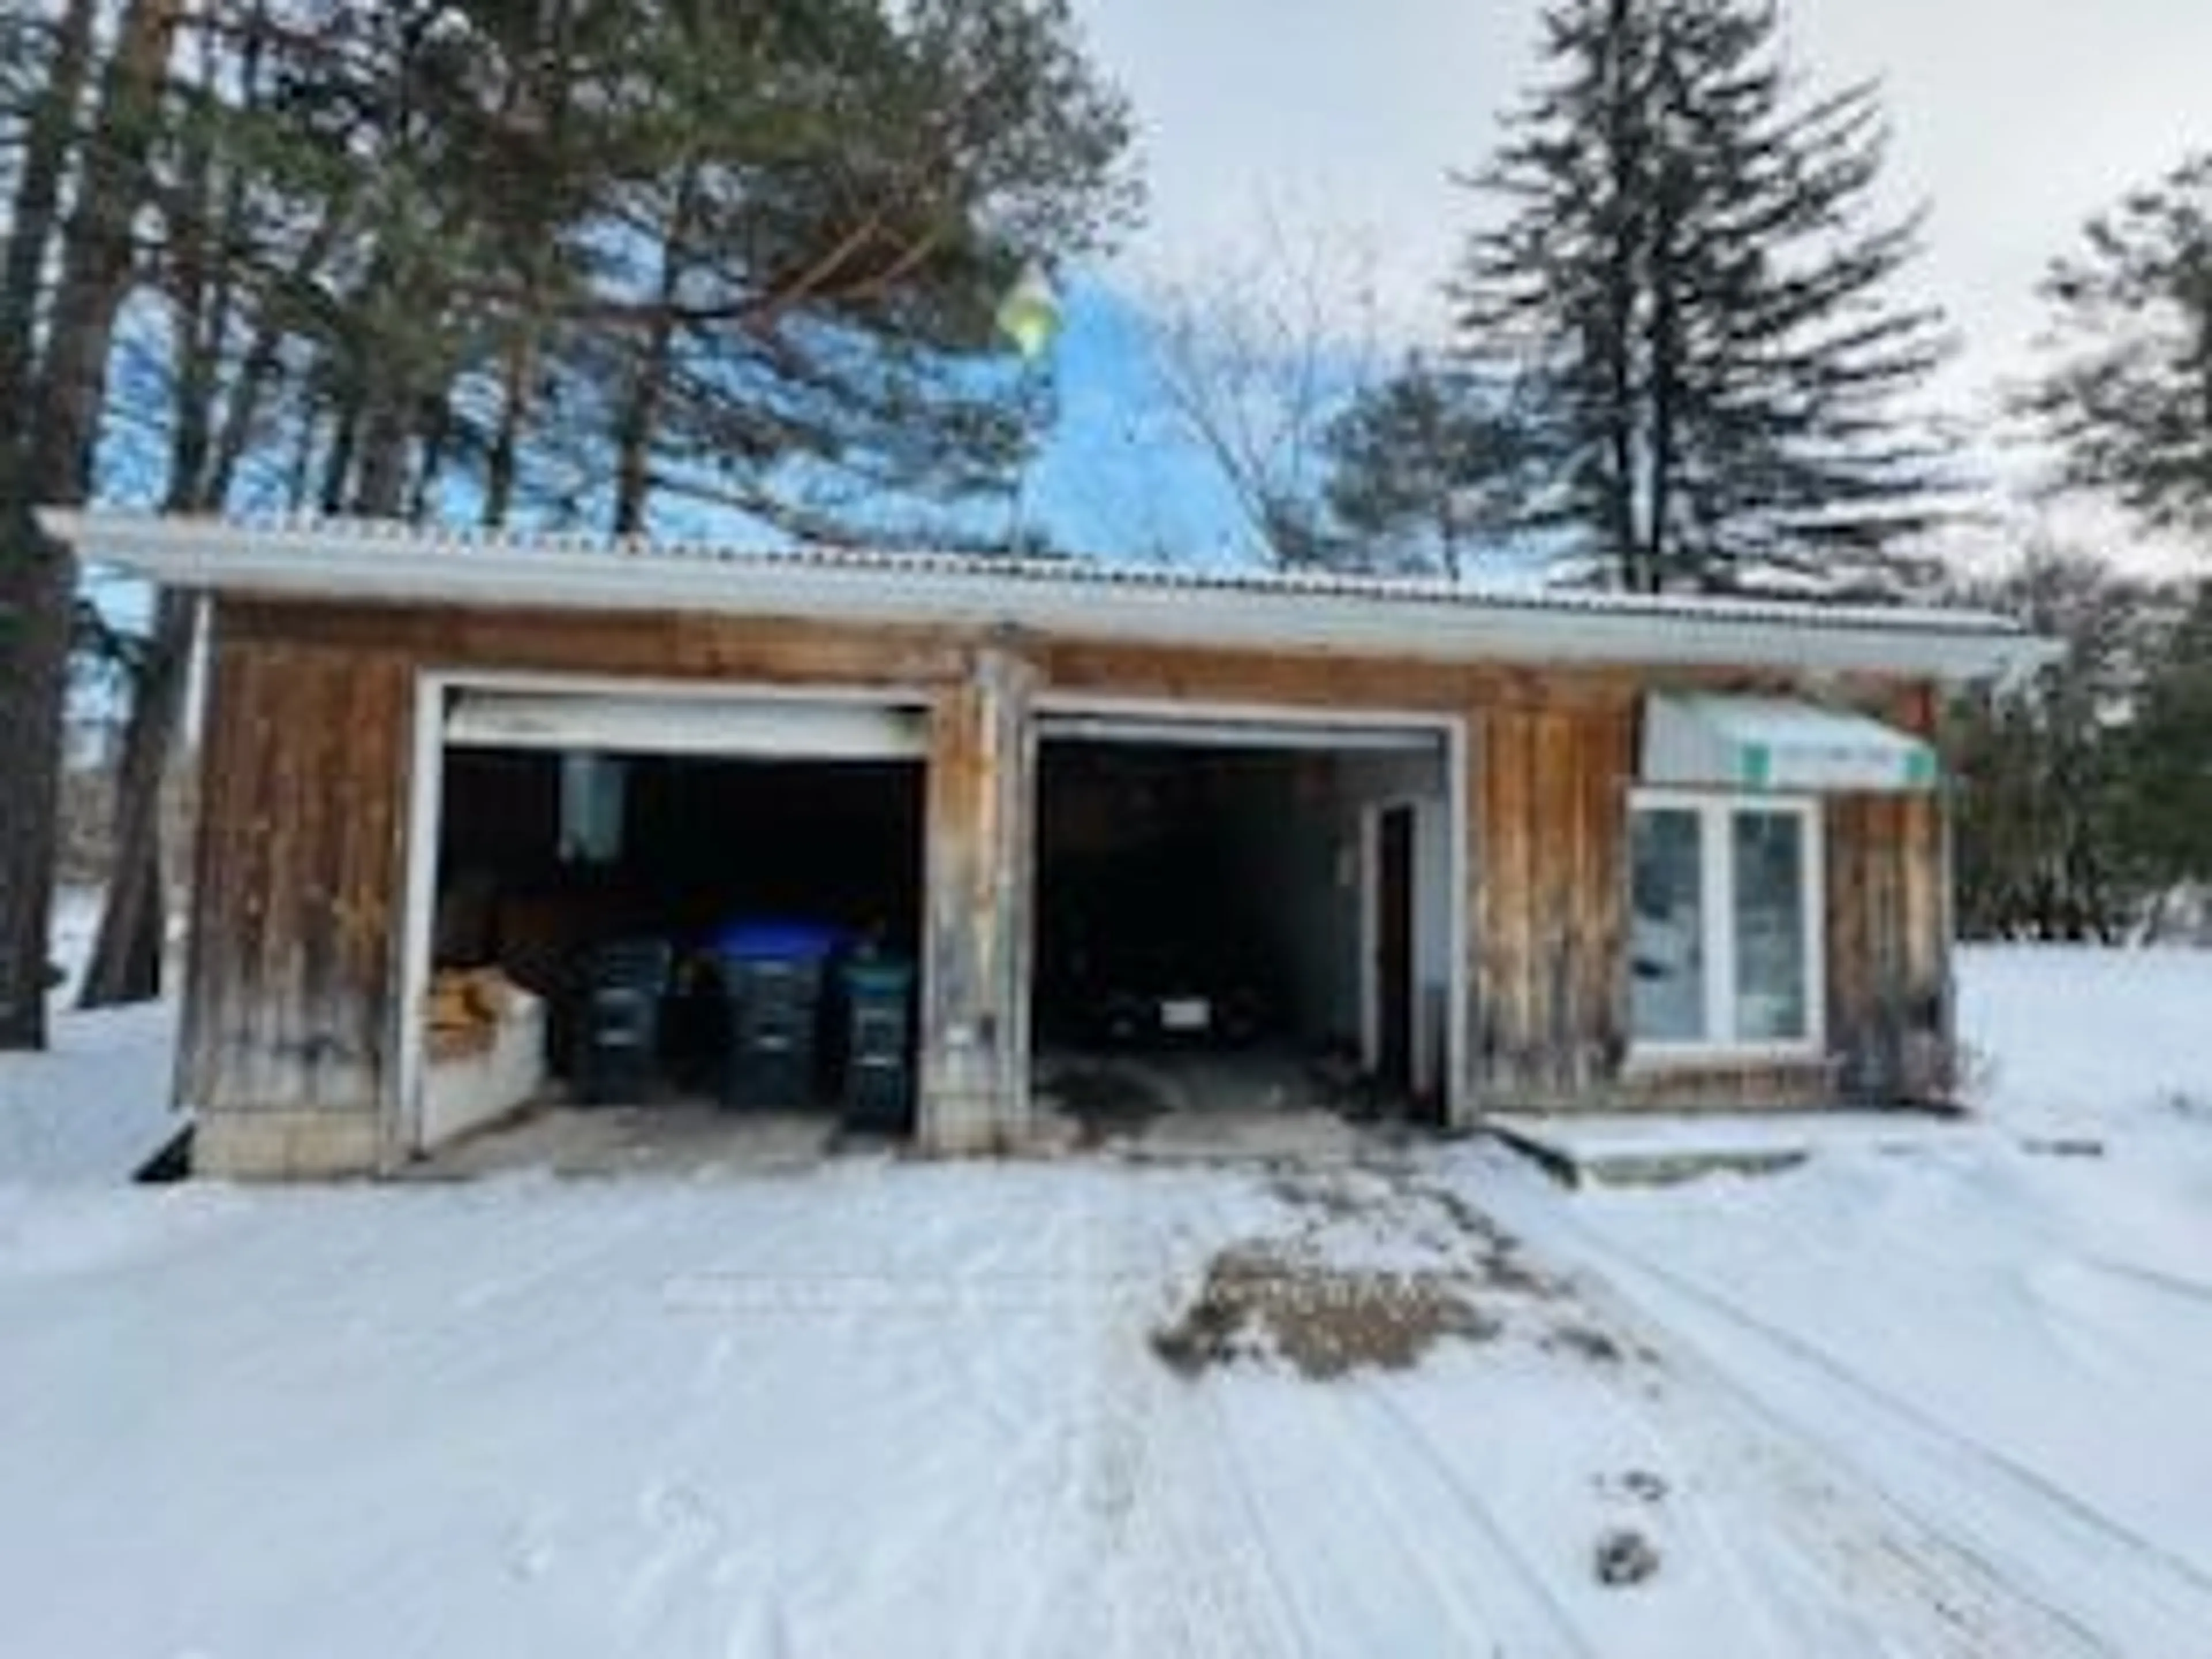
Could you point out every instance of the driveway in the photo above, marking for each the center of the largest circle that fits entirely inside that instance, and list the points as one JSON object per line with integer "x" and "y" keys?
{"x": 1415, "y": 1403}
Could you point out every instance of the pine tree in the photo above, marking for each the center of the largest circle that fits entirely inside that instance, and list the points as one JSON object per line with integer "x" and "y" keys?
{"x": 2130, "y": 402}
{"x": 1690, "y": 279}
{"x": 2042, "y": 832}
{"x": 419, "y": 239}
{"x": 2166, "y": 825}
{"x": 1424, "y": 470}
{"x": 808, "y": 338}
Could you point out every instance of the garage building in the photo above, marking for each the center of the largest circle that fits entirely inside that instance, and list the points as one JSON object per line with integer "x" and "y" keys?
{"x": 1462, "y": 850}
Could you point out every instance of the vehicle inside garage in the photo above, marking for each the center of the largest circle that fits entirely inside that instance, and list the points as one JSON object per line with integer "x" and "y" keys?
{"x": 1240, "y": 917}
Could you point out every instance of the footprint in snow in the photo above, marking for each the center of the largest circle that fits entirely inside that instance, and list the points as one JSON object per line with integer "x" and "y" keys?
{"x": 530, "y": 1550}
{"x": 688, "y": 1533}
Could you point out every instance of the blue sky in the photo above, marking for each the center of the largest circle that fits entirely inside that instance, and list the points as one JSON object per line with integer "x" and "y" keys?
{"x": 1116, "y": 477}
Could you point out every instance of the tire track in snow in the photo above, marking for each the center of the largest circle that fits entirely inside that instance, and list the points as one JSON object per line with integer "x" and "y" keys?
{"x": 1401, "y": 1459}
{"x": 1840, "y": 1529}
{"x": 2089, "y": 1574}
{"x": 2024, "y": 1481}
{"x": 1489, "y": 1596}
{"x": 1151, "y": 1462}
{"x": 2118, "y": 1325}
{"x": 1253, "y": 1543}
{"x": 1530, "y": 1616}
{"x": 1225, "y": 1585}
{"x": 1939, "y": 1591}
{"x": 2193, "y": 1291}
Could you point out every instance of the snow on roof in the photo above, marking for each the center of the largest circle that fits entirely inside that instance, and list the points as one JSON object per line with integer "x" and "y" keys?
{"x": 373, "y": 561}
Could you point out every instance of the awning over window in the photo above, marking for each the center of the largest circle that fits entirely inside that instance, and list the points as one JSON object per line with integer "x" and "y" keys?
{"x": 1706, "y": 742}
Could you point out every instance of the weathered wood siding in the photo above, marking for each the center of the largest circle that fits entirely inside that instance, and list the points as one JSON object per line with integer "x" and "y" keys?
{"x": 762, "y": 651}
{"x": 290, "y": 981}
{"x": 1548, "y": 868}
{"x": 1888, "y": 923}
{"x": 290, "y": 1043}
{"x": 1547, "y": 830}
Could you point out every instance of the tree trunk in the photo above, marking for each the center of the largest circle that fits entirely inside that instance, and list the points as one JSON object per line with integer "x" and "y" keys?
{"x": 48, "y": 140}
{"x": 29, "y": 701}
{"x": 125, "y": 965}
{"x": 299, "y": 472}
{"x": 434, "y": 431}
{"x": 337, "y": 460}
{"x": 1617, "y": 350}
{"x": 35, "y": 585}
{"x": 126, "y": 957}
{"x": 503, "y": 461}
{"x": 38, "y": 577}
{"x": 379, "y": 489}
{"x": 1665, "y": 279}
{"x": 1661, "y": 556}
{"x": 640, "y": 417}
{"x": 635, "y": 429}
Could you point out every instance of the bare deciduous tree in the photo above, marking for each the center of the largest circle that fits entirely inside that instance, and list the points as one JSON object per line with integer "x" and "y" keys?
{"x": 1254, "y": 360}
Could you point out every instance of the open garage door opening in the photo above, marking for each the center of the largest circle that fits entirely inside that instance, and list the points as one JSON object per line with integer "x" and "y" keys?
{"x": 1240, "y": 917}
{"x": 673, "y": 911}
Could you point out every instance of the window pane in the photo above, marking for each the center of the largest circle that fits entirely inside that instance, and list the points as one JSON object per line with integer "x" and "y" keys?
{"x": 1667, "y": 956}
{"x": 592, "y": 808}
{"x": 1770, "y": 928}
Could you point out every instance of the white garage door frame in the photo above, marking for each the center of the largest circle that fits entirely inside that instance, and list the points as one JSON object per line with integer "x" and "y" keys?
{"x": 435, "y": 691}
{"x": 1171, "y": 723}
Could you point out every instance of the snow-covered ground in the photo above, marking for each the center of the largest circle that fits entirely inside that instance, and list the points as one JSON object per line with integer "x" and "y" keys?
{"x": 97, "y": 1106}
{"x": 1948, "y": 1401}
{"x": 2008, "y": 1330}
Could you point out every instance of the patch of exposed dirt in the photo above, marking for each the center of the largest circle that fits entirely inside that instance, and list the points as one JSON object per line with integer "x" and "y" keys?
{"x": 1308, "y": 1299}
{"x": 1257, "y": 1302}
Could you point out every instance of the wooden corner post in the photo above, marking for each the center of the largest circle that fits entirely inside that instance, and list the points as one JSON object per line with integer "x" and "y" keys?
{"x": 974, "y": 1036}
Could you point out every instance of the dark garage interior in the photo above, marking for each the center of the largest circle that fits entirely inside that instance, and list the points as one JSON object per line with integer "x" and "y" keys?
{"x": 1202, "y": 910}
{"x": 653, "y": 901}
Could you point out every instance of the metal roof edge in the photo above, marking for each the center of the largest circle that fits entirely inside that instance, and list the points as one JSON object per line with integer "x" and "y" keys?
{"x": 381, "y": 562}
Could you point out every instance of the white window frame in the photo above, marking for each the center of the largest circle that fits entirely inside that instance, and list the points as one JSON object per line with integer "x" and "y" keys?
{"x": 1716, "y": 811}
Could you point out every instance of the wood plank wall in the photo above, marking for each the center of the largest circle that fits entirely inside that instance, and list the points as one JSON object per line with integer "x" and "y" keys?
{"x": 1889, "y": 918}
{"x": 1548, "y": 868}
{"x": 298, "y": 871}
{"x": 294, "y": 961}
{"x": 1547, "y": 865}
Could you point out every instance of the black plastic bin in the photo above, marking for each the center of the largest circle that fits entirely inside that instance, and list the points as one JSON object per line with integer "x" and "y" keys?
{"x": 617, "y": 1037}
{"x": 877, "y": 998}
{"x": 773, "y": 975}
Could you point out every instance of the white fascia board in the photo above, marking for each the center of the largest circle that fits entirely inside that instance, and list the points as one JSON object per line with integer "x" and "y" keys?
{"x": 343, "y": 563}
